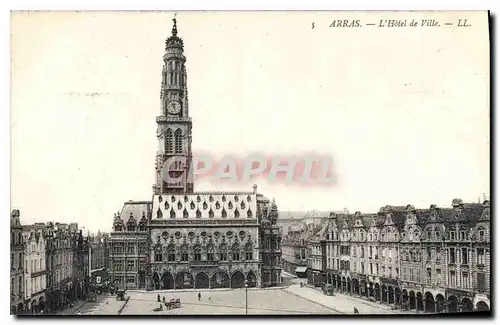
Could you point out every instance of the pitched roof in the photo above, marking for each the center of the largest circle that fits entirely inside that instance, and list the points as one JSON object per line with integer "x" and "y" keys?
{"x": 136, "y": 209}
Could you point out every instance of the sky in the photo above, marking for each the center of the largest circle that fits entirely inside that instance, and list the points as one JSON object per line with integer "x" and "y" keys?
{"x": 403, "y": 112}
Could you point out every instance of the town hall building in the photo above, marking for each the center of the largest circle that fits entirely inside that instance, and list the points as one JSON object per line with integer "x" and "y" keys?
{"x": 186, "y": 239}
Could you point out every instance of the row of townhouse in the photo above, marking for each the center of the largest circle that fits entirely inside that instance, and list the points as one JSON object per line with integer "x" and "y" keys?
{"x": 428, "y": 260}
{"x": 47, "y": 268}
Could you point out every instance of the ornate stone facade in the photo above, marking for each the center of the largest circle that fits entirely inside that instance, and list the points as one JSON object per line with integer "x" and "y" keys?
{"x": 174, "y": 124}
{"x": 35, "y": 268}
{"x": 428, "y": 260}
{"x": 17, "y": 305}
{"x": 187, "y": 239}
{"x": 129, "y": 245}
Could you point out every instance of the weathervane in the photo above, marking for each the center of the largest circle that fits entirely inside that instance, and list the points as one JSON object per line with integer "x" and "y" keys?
{"x": 174, "y": 29}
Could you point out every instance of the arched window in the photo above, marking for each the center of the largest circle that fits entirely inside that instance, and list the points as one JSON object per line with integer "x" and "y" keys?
{"x": 236, "y": 252}
{"x": 223, "y": 252}
{"x": 178, "y": 141}
{"x": 184, "y": 253}
{"x": 249, "y": 213}
{"x": 158, "y": 254}
{"x": 248, "y": 252}
{"x": 197, "y": 253}
{"x": 171, "y": 253}
{"x": 171, "y": 78}
{"x": 210, "y": 253}
{"x": 481, "y": 233}
{"x": 170, "y": 141}
{"x": 176, "y": 78}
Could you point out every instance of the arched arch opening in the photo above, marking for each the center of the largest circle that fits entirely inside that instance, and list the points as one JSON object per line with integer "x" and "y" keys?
{"x": 167, "y": 281}
{"x": 355, "y": 286}
{"x": 364, "y": 288}
{"x": 384, "y": 293}
{"x": 440, "y": 303}
{"x": 420, "y": 303}
{"x": 348, "y": 281}
{"x": 184, "y": 280}
{"x": 429, "y": 303}
{"x": 201, "y": 281}
{"x": 251, "y": 279}
{"x": 397, "y": 296}
{"x": 41, "y": 304}
{"x": 405, "y": 300}
{"x": 219, "y": 279}
{"x": 482, "y": 306}
{"x": 390, "y": 294}
{"x": 377, "y": 291}
{"x": 237, "y": 280}
{"x": 412, "y": 300}
{"x": 452, "y": 304}
{"x": 467, "y": 305}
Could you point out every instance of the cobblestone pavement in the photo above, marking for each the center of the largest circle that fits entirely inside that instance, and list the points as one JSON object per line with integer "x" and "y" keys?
{"x": 227, "y": 302}
{"x": 341, "y": 303}
{"x": 107, "y": 305}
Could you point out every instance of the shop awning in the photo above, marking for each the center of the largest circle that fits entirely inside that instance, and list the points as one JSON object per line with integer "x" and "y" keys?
{"x": 301, "y": 269}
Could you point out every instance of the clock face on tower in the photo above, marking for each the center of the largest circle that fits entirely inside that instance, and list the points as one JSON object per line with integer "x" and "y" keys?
{"x": 174, "y": 107}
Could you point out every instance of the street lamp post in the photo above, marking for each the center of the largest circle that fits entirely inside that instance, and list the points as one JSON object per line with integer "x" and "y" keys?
{"x": 246, "y": 297}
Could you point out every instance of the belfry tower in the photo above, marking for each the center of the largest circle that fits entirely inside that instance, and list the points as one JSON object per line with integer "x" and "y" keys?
{"x": 173, "y": 158}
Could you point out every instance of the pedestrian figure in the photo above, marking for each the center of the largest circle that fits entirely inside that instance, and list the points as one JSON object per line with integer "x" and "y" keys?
{"x": 210, "y": 298}
{"x": 159, "y": 300}
{"x": 163, "y": 299}
{"x": 356, "y": 310}
{"x": 199, "y": 295}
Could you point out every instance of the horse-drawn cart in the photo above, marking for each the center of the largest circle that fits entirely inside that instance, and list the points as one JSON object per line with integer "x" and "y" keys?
{"x": 92, "y": 297}
{"x": 173, "y": 303}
